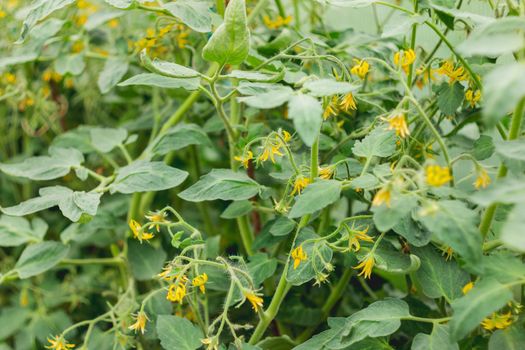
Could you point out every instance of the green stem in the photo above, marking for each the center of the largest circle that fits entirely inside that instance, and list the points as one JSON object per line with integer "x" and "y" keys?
{"x": 280, "y": 7}
{"x": 515, "y": 129}
{"x": 219, "y": 6}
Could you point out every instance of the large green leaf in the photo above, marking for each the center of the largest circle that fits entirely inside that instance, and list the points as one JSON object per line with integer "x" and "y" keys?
{"x": 379, "y": 143}
{"x": 71, "y": 204}
{"x": 179, "y": 137}
{"x": 317, "y": 254}
{"x": 152, "y": 79}
{"x": 438, "y": 277}
{"x": 379, "y": 319}
{"x": 503, "y": 88}
{"x": 316, "y": 196}
{"x": 267, "y": 99}
{"x": 261, "y": 267}
{"x": 73, "y": 64}
{"x": 349, "y": 3}
{"x": 439, "y": 339}
{"x": 514, "y": 149}
{"x": 487, "y": 296}
{"x": 106, "y": 139}
{"x": 256, "y": 76}
{"x": 386, "y": 217}
{"x": 39, "y": 10}
{"x": 510, "y": 190}
{"x": 454, "y": 224}
{"x": 512, "y": 230}
{"x": 195, "y": 14}
{"x": 413, "y": 231}
{"x": 307, "y": 115}
{"x": 114, "y": 70}
{"x": 222, "y": 184}
{"x": 449, "y": 97}
{"x": 502, "y": 36}
{"x": 40, "y": 257}
{"x": 144, "y": 260}
{"x": 166, "y": 68}
{"x": 144, "y": 176}
{"x": 230, "y": 43}
{"x": 57, "y": 164}
{"x": 177, "y": 333}
{"x": 512, "y": 338}
{"x": 328, "y": 87}
{"x": 15, "y": 231}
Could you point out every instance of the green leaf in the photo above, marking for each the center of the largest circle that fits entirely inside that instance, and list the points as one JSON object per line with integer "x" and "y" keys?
{"x": 39, "y": 10}
{"x": 145, "y": 261}
{"x": 328, "y": 87}
{"x": 307, "y": 115}
{"x": 366, "y": 182}
{"x": 503, "y": 89}
{"x": 456, "y": 225}
{"x": 237, "y": 209}
{"x": 195, "y": 14}
{"x": 168, "y": 69}
{"x": 40, "y": 257}
{"x": 282, "y": 226}
{"x": 71, "y": 204}
{"x": 15, "y": 231}
{"x": 499, "y": 37}
{"x": 512, "y": 231}
{"x": 270, "y": 99}
{"x": 18, "y": 59}
{"x": 512, "y": 338}
{"x": 379, "y": 319}
{"x": 12, "y": 319}
{"x": 222, "y": 184}
{"x": 144, "y": 176}
{"x": 439, "y": 339}
{"x": 503, "y": 267}
{"x": 180, "y": 137}
{"x": 514, "y": 149}
{"x": 316, "y": 196}
{"x": 70, "y": 64}
{"x": 177, "y": 333}
{"x": 114, "y": 70}
{"x": 152, "y": 79}
{"x": 349, "y": 3}
{"x": 390, "y": 259}
{"x": 413, "y": 231}
{"x": 317, "y": 255}
{"x": 106, "y": 139}
{"x": 483, "y": 147}
{"x": 379, "y": 143}
{"x": 261, "y": 267}
{"x": 57, "y": 164}
{"x": 256, "y": 76}
{"x": 230, "y": 43}
{"x": 449, "y": 97}
{"x": 439, "y": 277}
{"x": 487, "y": 296}
{"x": 508, "y": 190}
{"x": 386, "y": 217}
{"x": 121, "y": 4}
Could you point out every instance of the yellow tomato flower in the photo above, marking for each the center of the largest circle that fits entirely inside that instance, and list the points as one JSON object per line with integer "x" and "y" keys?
{"x": 9, "y": 78}
{"x": 300, "y": 184}
{"x": 472, "y": 97}
{"x": 80, "y": 20}
{"x": 59, "y": 343}
{"x": 182, "y": 39}
{"x": 176, "y": 292}
{"x": 366, "y": 265}
{"x": 382, "y": 196}
{"x": 467, "y": 287}
{"x": 140, "y": 322}
{"x": 348, "y": 103}
{"x": 255, "y": 300}
{"x": 156, "y": 218}
{"x": 437, "y": 176}
{"x": 399, "y": 124}
{"x": 361, "y": 68}
{"x": 286, "y": 136}
{"x": 424, "y": 76}
{"x": 497, "y": 321}
{"x": 326, "y": 173}
{"x": 357, "y": 236}
{"x": 454, "y": 74}
{"x": 278, "y": 22}
{"x": 404, "y": 58}
{"x": 113, "y": 23}
{"x": 138, "y": 232}
{"x": 298, "y": 255}
{"x": 244, "y": 159}
{"x": 2, "y": 13}
{"x": 482, "y": 179}
{"x": 331, "y": 109}
{"x": 270, "y": 150}
{"x": 200, "y": 282}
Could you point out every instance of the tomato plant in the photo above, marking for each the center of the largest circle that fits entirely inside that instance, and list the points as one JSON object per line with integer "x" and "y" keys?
{"x": 272, "y": 174}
